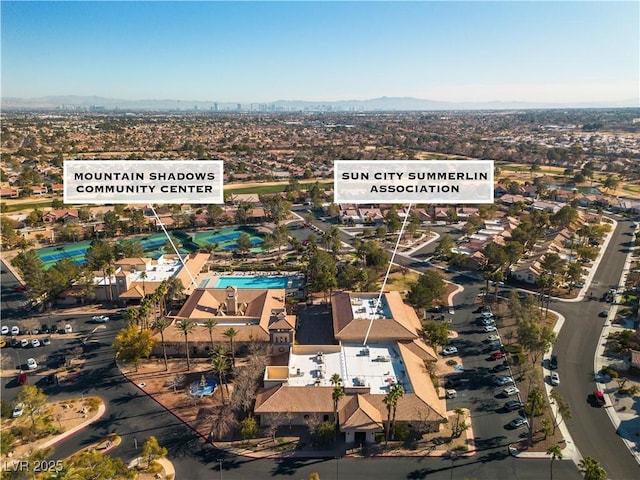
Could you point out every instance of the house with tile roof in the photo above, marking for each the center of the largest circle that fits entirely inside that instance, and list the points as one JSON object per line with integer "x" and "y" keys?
{"x": 256, "y": 314}
{"x": 394, "y": 354}
{"x": 136, "y": 277}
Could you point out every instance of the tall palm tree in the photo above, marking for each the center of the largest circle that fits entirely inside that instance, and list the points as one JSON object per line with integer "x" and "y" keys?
{"x": 591, "y": 469}
{"x": 536, "y": 398}
{"x": 220, "y": 364}
{"x": 556, "y": 454}
{"x": 162, "y": 290}
{"x": 230, "y": 333}
{"x": 109, "y": 271}
{"x": 143, "y": 277}
{"x": 210, "y": 323}
{"x": 338, "y": 393}
{"x": 161, "y": 325}
{"x": 185, "y": 325}
{"x": 398, "y": 391}
{"x": 391, "y": 401}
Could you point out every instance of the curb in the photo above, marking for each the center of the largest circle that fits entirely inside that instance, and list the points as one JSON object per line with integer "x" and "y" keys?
{"x": 101, "y": 410}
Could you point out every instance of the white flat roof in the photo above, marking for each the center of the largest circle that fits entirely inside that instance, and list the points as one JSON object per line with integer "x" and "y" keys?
{"x": 365, "y": 307}
{"x": 377, "y": 366}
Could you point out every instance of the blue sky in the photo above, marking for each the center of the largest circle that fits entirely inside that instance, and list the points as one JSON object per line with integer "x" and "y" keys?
{"x": 267, "y": 51}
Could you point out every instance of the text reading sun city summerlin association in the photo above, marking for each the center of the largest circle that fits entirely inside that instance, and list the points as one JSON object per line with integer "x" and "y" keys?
{"x": 396, "y": 181}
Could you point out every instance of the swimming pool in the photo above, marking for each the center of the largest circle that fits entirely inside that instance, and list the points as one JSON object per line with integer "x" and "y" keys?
{"x": 255, "y": 282}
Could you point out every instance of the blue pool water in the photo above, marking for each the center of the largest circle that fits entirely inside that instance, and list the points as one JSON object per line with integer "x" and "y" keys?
{"x": 253, "y": 282}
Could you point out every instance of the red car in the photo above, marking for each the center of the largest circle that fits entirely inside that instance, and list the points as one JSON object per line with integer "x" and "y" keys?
{"x": 498, "y": 355}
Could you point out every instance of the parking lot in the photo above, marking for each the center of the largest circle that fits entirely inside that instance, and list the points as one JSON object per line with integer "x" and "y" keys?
{"x": 483, "y": 382}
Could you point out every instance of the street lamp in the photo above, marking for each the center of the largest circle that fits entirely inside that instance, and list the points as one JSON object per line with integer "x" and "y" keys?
{"x": 337, "y": 464}
{"x": 220, "y": 462}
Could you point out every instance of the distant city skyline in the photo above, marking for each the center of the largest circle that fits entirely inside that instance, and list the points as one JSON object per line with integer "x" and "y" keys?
{"x": 251, "y": 52}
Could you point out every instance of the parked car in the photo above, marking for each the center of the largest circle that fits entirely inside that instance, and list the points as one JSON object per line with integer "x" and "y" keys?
{"x": 5, "y": 330}
{"x": 24, "y": 343}
{"x": 512, "y": 405}
{"x": 22, "y": 378}
{"x": 18, "y": 410}
{"x": 15, "y": 330}
{"x": 502, "y": 380}
{"x": 598, "y": 398}
{"x": 490, "y": 328}
{"x": 604, "y": 313}
{"x": 31, "y": 364}
{"x": 68, "y": 328}
{"x": 501, "y": 367}
{"x": 100, "y": 318}
{"x": 46, "y": 341}
{"x": 555, "y": 379}
{"x": 494, "y": 346}
{"x": 488, "y": 321}
{"x": 553, "y": 362}
{"x": 493, "y": 338}
{"x": 487, "y": 314}
{"x": 451, "y": 393}
{"x": 35, "y": 343}
{"x": 518, "y": 422}
{"x": 449, "y": 350}
{"x": 497, "y": 355}
{"x": 507, "y": 392}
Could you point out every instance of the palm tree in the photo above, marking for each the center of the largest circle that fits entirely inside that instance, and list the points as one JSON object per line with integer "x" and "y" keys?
{"x": 337, "y": 395}
{"x": 391, "y": 401}
{"x": 398, "y": 391}
{"x": 109, "y": 271}
{"x": 556, "y": 454}
{"x": 591, "y": 469}
{"x": 220, "y": 364}
{"x": 161, "y": 325}
{"x": 186, "y": 325}
{"x": 535, "y": 399}
{"x": 210, "y": 323}
{"x": 143, "y": 277}
{"x": 230, "y": 333}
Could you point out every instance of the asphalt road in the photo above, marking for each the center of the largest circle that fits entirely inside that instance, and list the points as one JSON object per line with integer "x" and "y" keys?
{"x": 11, "y": 300}
{"x": 591, "y": 428}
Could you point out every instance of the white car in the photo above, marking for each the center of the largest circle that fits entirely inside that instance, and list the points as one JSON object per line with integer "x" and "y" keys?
{"x": 493, "y": 338}
{"x": 35, "y": 343}
{"x": 450, "y": 350}
{"x": 510, "y": 391}
{"x": 31, "y": 364}
{"x": 490, "y": 328}
{"x": 488, "y": 321}
{"x": 555, "y": 378}
{"x": 100, "y": 318}
{"x": 15, "y": 330}
{"x": 5, "y": 330}
{"x": 68, "y": 329}
{"x": 18, "y": 410}
{"x": 24, "y": 343}
{"x": 487, "y": 315}
{"x": 501, "y": 380}
{"x": 451, "y": 393}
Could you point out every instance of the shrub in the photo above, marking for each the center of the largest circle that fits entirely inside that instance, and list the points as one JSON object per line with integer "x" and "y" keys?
{"x": 461, "y": 448}
{"x": 5, "y": 409}
{"x": 92, "y": 403}
{"x": 451, "y": 362}
{"x": 248, "y": 427}
{"x": 514, "y": 348}
{"x": 401, "y": 432}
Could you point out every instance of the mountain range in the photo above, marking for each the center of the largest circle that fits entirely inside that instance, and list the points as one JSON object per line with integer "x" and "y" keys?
{"x": 371, "y": 105}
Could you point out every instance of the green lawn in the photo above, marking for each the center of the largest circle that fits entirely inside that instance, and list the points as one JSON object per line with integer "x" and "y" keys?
{"x": 274, "y": 188}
